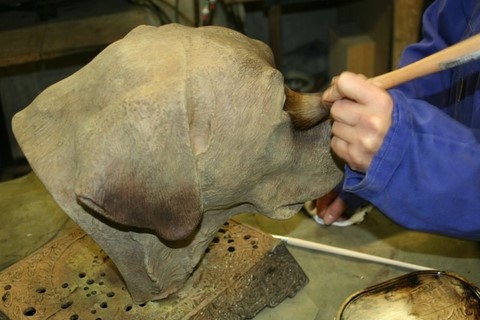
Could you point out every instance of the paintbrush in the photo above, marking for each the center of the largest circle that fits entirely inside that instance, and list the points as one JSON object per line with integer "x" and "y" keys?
{"x": 308, "y": 109}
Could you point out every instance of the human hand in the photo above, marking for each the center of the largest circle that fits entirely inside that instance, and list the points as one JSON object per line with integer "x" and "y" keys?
{"x": 330, "y": 207}
{"x": 362, "y": 115}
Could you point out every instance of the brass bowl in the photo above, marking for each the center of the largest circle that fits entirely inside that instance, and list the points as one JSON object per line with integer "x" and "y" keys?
{"x": 418, "y": 295}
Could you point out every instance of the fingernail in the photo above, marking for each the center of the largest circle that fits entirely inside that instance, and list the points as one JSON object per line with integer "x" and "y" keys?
{"x": 328, "y": 218}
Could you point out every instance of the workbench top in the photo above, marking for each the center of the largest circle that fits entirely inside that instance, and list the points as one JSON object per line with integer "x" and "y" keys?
{"x": 332, "y": 279}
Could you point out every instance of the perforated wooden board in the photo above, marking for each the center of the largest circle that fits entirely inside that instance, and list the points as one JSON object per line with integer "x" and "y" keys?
{"x": 243, "y": 271}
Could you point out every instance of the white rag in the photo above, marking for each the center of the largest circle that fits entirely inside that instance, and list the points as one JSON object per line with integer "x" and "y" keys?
{"x": 357, "y": 217}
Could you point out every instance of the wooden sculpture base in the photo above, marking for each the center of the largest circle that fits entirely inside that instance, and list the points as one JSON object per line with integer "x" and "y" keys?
{"x": 243, "y": 271}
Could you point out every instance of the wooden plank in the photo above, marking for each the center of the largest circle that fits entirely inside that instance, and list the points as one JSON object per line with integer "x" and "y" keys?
{"x": 375, "y": 18}
{"x": 352, "y": 50}
{"x": 275, "y": 33}
{"x": 57, "y": 39}
{"x": 407, "y": 24}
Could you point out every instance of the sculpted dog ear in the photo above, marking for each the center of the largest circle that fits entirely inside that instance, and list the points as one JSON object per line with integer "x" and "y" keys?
{"x": 135, "y": 167}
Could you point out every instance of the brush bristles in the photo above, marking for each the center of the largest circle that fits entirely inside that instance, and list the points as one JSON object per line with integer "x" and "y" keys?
{"x": 305, "y": 109}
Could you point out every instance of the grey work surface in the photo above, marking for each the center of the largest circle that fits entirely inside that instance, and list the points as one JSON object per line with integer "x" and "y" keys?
{"x": 332, "y": 278}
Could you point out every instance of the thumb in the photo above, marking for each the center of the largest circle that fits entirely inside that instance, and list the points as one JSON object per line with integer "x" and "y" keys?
{"x": 334, "y": 211}
{"x": 348, "y": 85}
{"x": 331, "y": 94}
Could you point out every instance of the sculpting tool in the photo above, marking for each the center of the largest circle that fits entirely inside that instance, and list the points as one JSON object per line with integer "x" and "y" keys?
{"x": 348, "y": 253}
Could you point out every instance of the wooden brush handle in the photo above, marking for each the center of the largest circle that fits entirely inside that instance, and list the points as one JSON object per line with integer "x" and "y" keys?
{"x": 306, "y": 110}
{"x": 447, "y": 58}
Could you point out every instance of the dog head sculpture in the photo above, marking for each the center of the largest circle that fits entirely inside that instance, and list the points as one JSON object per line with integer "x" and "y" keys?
{"x": 163, "y": 137}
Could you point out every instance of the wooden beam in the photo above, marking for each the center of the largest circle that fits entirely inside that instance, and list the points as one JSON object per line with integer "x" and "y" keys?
{"x": 58, "y": 39}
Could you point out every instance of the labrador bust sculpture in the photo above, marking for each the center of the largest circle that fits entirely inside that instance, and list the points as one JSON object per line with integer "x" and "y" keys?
{"x": 163, "y": 137}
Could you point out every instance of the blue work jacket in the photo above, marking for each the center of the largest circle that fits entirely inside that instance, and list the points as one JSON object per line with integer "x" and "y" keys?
{"x": 426, "y": 175}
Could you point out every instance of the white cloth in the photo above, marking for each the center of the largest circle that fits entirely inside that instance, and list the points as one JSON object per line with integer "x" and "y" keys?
{"x": 356, "y": 218}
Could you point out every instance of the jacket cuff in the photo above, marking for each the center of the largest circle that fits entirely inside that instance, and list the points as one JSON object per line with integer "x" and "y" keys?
{"x": 389, "y": 156}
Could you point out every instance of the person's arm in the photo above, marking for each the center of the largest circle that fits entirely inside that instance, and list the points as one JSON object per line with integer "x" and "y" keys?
{"x": 431, "y": 88}
{"x": 426, "y": 175}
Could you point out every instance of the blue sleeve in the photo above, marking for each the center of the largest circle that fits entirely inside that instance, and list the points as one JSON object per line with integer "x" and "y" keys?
{"x": 426, "y": 175}
{"x": 444, "y": 23}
